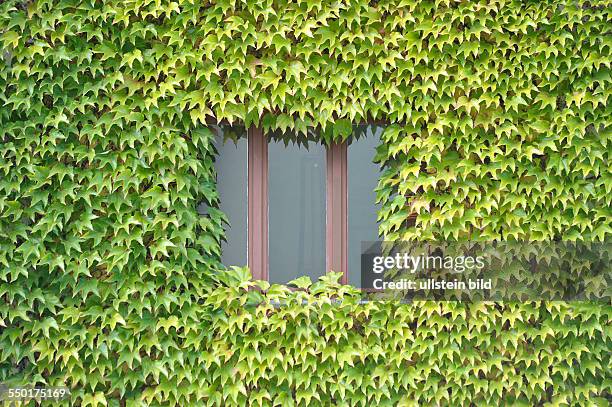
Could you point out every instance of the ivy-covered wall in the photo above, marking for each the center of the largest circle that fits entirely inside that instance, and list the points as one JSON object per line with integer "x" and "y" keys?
{"x": 111, "y": 283}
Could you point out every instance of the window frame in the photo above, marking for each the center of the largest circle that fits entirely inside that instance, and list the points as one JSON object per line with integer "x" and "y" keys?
{"x": 257, "y": 203}
{"x": 336, "y": 209}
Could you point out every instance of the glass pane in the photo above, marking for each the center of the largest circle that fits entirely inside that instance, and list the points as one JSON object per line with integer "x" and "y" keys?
{"x": 231, "y": 166}
{"x": 296, "y": 192}
{"x": 363, "y": 176}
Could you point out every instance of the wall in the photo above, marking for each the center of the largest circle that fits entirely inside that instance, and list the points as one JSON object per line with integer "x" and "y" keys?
{"x": 111, "y": 282}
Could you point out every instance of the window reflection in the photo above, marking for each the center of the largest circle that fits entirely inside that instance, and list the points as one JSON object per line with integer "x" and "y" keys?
{"x": 363, "y": 176}
{"x": 296, "y": 192}
{"x": 231, "y": 165}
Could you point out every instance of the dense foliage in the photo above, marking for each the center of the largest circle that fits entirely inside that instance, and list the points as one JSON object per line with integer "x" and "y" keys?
{"x": 109, "y": 279}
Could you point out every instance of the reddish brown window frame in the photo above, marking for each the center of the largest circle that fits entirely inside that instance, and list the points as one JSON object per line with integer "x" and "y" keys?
{"x": 336, "y": 211}
{"x": 336, "y": 232}
{"x": 257, "y": 196}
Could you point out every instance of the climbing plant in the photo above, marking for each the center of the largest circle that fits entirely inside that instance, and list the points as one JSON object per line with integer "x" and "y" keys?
{"x": 110, "y": 280}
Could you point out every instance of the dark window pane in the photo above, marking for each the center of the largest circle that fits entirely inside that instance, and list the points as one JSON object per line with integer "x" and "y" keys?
{"x": 231, "y": 166}
{"x": 363, "y": 176}
{"x": 296, "y": 191}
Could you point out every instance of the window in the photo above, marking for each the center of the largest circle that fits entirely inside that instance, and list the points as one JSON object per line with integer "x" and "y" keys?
{"x": 295, "y": 206}
{"x": 231, "y": 146}
{"x": 363, "y": 176}
{"x": 296, "y": 210}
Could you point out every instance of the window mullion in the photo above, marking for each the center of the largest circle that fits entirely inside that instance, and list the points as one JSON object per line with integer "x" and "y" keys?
{"x": 337, "y": 210}
{"x": 257, "y": 225}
